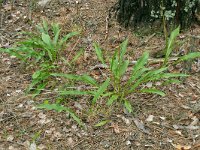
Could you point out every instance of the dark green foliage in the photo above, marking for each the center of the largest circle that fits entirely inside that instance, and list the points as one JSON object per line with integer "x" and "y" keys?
{"x": 135, "y": 12}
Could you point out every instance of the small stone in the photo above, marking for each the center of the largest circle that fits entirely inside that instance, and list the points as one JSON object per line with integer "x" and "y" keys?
{"x": 20, "y": 106}
{"x": 163, "y": 118}
{"x": 10, "y": 138}
{"x": 105, "y": 144}
{"x": 11, "y": 148}
{"x": 33, "y": 146}
{"x": 150, "y": 118}
{"x": 70, "y": 142}
{"x": 128, "y": 142}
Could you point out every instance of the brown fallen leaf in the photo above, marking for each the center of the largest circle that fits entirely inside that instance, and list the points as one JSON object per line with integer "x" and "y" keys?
{"x": 150, "y": 118}
{"x": 140, "y": 125}
{"x": 182, "y": 147}
{"x": 115, "y": 127}
{"x": 7, "y": 7}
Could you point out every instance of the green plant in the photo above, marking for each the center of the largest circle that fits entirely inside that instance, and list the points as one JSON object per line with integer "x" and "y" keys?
{"x": 59, "y": 108}
{"x": 171, "y": 43}
{"x": 42, "y": 49}
{"x": 140, "y": 75}
{"x": 40, "y": 78}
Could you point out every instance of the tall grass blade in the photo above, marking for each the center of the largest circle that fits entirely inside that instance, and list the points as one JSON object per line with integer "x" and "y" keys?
{"x": 47, "y": 40}
{"x": 84, "y": 78}
{"x": 77, "y": 56}
{"x": 112, "y": 99}
{"x": 99, "y": 53}
{"x": 146, "y": 77}
{"x": 60, "y": 108}
{"x": 123, "y": 67}
{"x": 153, "y": 91}
{"x": 189, "y": 56}
{"x": 128, "y": 106}
{"x": 141, "y": 62}
{"x": 74, "y": 92}
{"x": 123, "y": 49}
{"x": 102, "y": 123}
{"x": 65, "y": 38}
{"x": 101, "y": 90}
{"x": 136, "y": 75}
{"x": 56, "y": 31}
{"x": 114, "y": 64}
{"x": 139, "y": 68}
{"x": 45, "y": 26}
{"x": 170, "y": 43}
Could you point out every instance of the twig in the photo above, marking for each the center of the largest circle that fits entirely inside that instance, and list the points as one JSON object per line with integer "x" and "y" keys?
{"x": 1, "y": 24}
{"x": 196, "y": 146}
{"x": 156, "y": 60}
{"x": 150, "y": 61}
{"x": 147, "y": 39}
{"x": 193, "y": 36}
{"x": 73, "y": 48}
{"x": 107, "y": 24}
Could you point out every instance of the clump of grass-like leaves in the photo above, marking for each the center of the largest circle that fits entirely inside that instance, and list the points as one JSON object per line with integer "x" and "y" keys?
{"x": 41, "y": 50}
{"x": 140, "y": 75}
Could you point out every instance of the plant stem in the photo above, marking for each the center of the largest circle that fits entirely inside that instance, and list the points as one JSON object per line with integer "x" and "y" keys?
{"x": 164, "y": 22}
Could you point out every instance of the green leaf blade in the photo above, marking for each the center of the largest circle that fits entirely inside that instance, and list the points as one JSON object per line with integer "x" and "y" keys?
{"x": 189, "y": 56}
{"x": 99, "y": 53}
{"x": 153, "y": 91}
{"x": 60, "y": 108}
{"x": 123, "y": 48}
{"x": 102, "y": 123}
{"x": 128, "y": 106}
{"x": 73, "y": 92}
{"x": 112, "y": 99}
{"x": 123, "y": 68}
{"x": 84, "y": 78}
{"x": 101, "y": 90}
{"x": 47, "y": 40}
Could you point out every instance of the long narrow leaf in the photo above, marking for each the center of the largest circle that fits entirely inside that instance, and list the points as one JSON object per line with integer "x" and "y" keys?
{"x": 141, "y": 62}
{"x": 172, "y": 75}
{"x": 73, "y": 92}
{"x": 56, "y": 36}
{"x": 171, "y": 81}
{"x": 89, "y": 80}
{"x": 65, "y": 38}
{"x": 123, "y": 68}
{"x": 101, "y": 90}
{"x": 112, "y": 99}
{"x": 136, "y": 75}
{"x": 189, "y": 56}
{"x": 114, "y": 64}
{"x": 45, "y": 26}
{"x": 101, "y": 123}
{"x": 128, "y": 106}
{"x": 77, "y": 56}
{"x": 170, "y": 43}
{"x": 139, "y": 68}
{"x": 99, "y": 53}
{"x": 60, "y": 108}
{"x": 47, "y": 40}
{"x": 146, "y": 77}
{"x": 84, "y": 78}
{"x": 153, "y": 91}
{"x": 123, "y": 49}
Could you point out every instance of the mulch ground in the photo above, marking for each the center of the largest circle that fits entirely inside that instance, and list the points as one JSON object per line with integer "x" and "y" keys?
{"x": 158, "y": 123}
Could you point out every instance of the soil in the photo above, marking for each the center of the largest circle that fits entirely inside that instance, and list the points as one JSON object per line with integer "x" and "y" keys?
{"x": 157, "y": 123}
